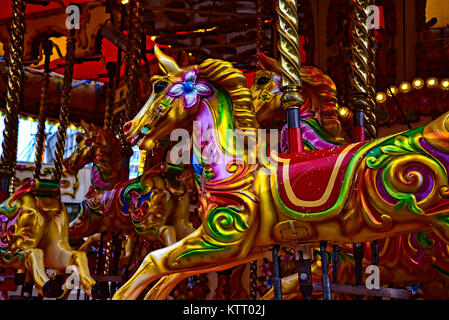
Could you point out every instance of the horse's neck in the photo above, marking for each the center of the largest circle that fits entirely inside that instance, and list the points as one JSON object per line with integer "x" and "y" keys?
{"x": 103, "y": 171}
{"x": 314, "y": 137}
{"x": 208, "y": 141}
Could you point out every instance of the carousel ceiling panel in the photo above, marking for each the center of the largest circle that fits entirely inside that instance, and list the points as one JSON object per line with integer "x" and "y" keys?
{"x": 87, "y": 97}
{"x": 47, "y": 21}
{"x": 219, "y": 29}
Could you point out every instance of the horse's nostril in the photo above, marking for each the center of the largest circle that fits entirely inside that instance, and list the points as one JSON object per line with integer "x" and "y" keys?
{"x": 127, "y": 127}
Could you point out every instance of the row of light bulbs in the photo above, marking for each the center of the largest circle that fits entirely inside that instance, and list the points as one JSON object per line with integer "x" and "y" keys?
{"x": 417, "y": 84}
{"x": 404, "y": 87}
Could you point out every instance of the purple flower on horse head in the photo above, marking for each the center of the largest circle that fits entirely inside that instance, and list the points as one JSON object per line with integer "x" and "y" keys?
{"x": 190, "y": 89}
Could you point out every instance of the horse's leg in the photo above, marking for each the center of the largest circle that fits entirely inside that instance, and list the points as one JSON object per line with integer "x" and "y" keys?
{"x": 290, "y": 285}
{"x": 31, "y": 227}
{"x": 192, "y": 254}
{"x": 60, "y": 254}
{"x": 87, "y": 246}
{"x": 165, "y": 285}
{"x": 34, "y": 263}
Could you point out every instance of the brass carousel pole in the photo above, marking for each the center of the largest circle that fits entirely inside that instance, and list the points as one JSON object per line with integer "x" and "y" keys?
{"x": 290, "y": 60}
{"x": 13, "y": 98}
{"x": 134, "y": 11}
{"x": 292, "y": 99}
{"x": 362, "y": 64}
{"x": 65, "y": 105}
{"x": 363, "y": 78}
{"x": 371, "y": 120}
{"x": 260, "y": 29}
{"x": 40, "y": 139}
{"x": 134, "y": 55}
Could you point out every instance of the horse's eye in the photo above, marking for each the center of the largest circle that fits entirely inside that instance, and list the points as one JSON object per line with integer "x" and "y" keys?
{"x": 263, "y": 80}
{"x": 160, "y": 86}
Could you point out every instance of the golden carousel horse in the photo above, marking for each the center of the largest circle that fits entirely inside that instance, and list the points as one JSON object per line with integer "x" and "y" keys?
{"x": 34, "y": 235}
{"x": 353, "y": 193}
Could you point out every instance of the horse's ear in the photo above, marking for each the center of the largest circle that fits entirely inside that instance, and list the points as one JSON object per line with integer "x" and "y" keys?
{"x": 167, "y": 64}
{"x": 268, "y": 63}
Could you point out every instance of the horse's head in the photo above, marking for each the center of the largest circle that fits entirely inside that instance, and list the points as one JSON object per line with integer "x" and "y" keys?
{"x": 266, "y": 91}
{"x": 92, "y": 142}
{"x": 318, "y": 89}
{"x": 179, "y": 95}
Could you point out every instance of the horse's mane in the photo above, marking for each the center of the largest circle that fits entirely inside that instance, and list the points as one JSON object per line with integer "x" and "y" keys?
{"x": 316, "y": 78}
{"x": 319, "y": 85}
{"x": 225, "y": 76}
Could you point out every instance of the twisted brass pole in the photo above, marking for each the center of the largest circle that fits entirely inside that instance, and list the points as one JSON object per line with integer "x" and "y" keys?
{"x": 370, "y": 113}
{"x": 292, "y": 99}
{"x": 363, "y": 99}
{"x": 134, "y": 55}
{"x": 132, "y": 65}
{"x": 65, "y": 105}
{"x": 260, "y": 28}
{"x": 362, "y": 68}
{"x": 40, "y": 139}
{"x": 288, "y": 43}
{"x": 13, "y": 96}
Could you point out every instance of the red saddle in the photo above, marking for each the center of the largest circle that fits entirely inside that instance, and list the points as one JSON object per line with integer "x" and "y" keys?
{"x": 310, "y": 182}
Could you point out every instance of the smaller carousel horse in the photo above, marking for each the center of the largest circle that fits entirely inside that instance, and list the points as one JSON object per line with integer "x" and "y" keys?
{"x": 34, "y": 235}
{"x": 154, "y": 205}
{"x": 320, "y": 125}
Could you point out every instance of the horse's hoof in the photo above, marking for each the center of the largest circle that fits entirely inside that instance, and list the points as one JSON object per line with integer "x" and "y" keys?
{"x": 52, "y": 289}
{"x": 19, "y": 278}
{"x": 100, "y": 291}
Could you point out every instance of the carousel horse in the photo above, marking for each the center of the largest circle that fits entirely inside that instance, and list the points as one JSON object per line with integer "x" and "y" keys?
{"x": 314, "y": 137}
{"x": 34, "y": 235}
{"x": 353, "y": 193}
{"x": 154, "y": 205}
{"x": 319, "y": 122}
{"x": 420, "y": 258}
{"x": 319, "y": 113}
{"x": 320, "y": 90}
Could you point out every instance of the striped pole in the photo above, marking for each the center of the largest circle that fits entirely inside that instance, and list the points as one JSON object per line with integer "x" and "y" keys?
{"x": 13, "y": 99}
